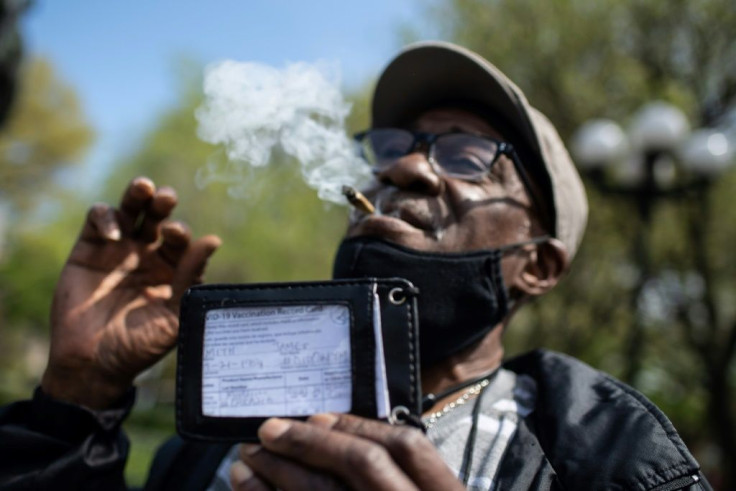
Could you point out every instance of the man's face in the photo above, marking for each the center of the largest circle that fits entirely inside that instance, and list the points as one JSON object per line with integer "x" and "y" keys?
{"x": 424, "y": 210}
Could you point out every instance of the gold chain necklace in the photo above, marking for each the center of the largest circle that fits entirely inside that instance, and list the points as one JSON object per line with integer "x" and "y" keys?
{"x": 469, "y": 394}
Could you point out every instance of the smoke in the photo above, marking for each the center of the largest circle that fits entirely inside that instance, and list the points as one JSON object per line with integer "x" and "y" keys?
{"x": 257, "y": 112}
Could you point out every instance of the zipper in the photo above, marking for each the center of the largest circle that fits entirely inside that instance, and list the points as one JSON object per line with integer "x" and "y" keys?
{"x": 679, "y": 483}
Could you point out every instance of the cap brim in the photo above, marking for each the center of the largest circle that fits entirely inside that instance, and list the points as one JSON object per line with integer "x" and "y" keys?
{"x": 429, "y": 74}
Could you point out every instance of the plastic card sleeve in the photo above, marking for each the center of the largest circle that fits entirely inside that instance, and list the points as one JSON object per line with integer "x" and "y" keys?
{"x": 250, "y": 352}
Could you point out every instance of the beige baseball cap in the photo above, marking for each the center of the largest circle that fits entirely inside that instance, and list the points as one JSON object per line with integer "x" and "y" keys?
{"x": 433, "y": 73}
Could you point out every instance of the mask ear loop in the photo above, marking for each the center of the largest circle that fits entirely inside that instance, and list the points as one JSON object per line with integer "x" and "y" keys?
{"x": 543, "y": 212}
{"x": 518, "y": 245}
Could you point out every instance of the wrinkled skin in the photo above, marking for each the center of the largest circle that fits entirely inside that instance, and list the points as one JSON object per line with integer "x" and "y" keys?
{"x": 333, "y": 451}
{"x": 115, "y": 311}
{"x": 427, "y": 211}
{"x": 115, "y": 308}
{"x": 421, "y": 209}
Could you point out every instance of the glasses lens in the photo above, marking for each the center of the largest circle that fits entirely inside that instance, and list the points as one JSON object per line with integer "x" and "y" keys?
{"x": 463, "y": 155}
{"x": 382, "y": 146}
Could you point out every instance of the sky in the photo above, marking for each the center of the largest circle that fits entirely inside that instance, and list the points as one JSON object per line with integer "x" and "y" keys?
{"x": 121, "y": 56}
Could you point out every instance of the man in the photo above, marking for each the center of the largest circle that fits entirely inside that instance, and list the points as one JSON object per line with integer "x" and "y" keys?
{"x": 481, "y": 207}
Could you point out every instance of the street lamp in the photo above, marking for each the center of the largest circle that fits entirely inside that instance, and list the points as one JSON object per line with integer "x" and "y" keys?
{"x": 659, "y": 135}
{"x": 657, "y": 158}
{"x": 708, "y": 152}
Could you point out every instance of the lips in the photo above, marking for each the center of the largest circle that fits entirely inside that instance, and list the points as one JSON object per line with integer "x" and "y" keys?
{"x": 413, "y": 214}
{"x": 383, "y": 225}
{"x": 397, "y": 216}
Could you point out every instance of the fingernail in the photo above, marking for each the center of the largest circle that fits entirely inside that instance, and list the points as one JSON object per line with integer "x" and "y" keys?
{"x": 143, "y": 186}
{"x": 324, "y": 420}
{"x": 215, "y": 241}
{"x": 143, "y": 181}
{"x": 273, "y": 428}
{"x": 114, "y": 234}
{"x": 249, "y": 448}
{"x": 239, "y": 473}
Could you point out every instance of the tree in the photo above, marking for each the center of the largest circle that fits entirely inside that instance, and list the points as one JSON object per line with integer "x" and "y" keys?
{"x": 11, "y": 51}
{"x": 46, "y": 132}
{"x": 279, "y": 231}
{"x": 576, "y": 60}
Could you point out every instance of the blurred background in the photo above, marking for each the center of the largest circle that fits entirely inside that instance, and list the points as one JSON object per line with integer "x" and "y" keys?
{"x": 644, "y": 91}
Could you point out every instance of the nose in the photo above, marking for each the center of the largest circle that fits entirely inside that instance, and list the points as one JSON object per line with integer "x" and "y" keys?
{"x": 412, "y": 172}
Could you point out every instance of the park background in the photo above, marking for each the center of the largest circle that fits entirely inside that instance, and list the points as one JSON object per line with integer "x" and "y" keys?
{"x": 107, "y": 92}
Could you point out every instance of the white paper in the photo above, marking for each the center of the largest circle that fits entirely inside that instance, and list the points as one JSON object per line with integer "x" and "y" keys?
{"x": 276, "y": 361}
{"x": 383, "y": 407}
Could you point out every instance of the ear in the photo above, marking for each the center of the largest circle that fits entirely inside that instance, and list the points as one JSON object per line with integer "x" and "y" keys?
{"x": 544, "y": 269}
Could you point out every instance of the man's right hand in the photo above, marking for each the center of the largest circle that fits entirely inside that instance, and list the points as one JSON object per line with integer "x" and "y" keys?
{"x": 115, "y": 309}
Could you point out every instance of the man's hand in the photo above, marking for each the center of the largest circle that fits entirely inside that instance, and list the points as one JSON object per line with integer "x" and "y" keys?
{"x": 332, "y": 451}
{"x": 115, "y": 308}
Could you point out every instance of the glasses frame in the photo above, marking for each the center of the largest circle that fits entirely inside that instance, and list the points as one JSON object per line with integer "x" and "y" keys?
{"x": 428, "y": 140}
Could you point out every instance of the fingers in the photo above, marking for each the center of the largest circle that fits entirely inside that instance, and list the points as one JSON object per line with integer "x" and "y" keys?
{"x": 408, "y": 447}
{"x": 143, "y": 208}
{"x": 360, "y": 463}
{"x": 159, "y": 208}
{"x": 101, "y": 223}
{"x": 135, "y": 200}
{"x": 243, "y": 479}
{"x": 143, "y": 215}
{"x": 176, "y": 237}
{"x": 191, "y": 265}
{"x": 280, "y": 472}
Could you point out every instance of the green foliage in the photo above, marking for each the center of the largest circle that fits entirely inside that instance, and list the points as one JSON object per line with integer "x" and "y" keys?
{"x": 359, "y": 117}
{"x": 146, "y": 439}
{"x": 45, "y": 133}
{"x": 279, "y": 231}
{"x": 31, "y": 269}
{"x": 147, "y": 430}
{"x": 34, "y": 254}
{"x": 673, "y": 335}
{"x": 577, "y": 59}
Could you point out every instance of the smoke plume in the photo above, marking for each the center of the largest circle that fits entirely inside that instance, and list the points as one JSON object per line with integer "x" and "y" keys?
{"x": 256, "y": 111}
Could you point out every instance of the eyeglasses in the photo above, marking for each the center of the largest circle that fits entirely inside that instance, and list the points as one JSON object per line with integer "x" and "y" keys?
{"x": 460, "y": 155}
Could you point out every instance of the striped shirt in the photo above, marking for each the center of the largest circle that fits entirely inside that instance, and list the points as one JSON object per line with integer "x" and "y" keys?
{"x": 508, "y": 398}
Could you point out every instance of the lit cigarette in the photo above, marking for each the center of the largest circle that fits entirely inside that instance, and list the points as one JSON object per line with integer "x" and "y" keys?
{"x": 358, "y": 200}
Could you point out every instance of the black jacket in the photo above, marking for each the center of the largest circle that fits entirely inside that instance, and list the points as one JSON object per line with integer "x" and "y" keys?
{"x": 588, "y": 431}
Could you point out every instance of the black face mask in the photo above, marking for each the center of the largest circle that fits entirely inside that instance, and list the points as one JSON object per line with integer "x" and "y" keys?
{"x": 462, "y": 296}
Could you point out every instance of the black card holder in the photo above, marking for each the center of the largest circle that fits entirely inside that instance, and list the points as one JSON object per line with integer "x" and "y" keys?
{"x": 380, "y": 315}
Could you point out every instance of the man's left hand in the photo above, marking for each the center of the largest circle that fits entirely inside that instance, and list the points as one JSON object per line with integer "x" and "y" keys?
{"x": 332, "y": 451}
